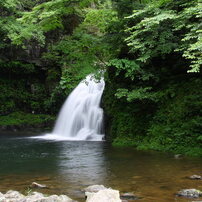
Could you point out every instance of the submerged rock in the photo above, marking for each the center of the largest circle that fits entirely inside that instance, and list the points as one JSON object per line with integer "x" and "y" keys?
{"x": 195, "y": 177}
{"x": 128, "y": 196}
{"x": 190, "y": 193}
{"x": 105, "y": 195}
{"x": 178, "y": 156}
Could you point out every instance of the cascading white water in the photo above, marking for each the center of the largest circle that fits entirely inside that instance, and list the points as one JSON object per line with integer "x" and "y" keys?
{"x": 81, "y": 117}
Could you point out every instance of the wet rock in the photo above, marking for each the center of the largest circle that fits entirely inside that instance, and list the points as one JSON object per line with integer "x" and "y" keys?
{"x": 104, "y": 195}
{"x": 64, "y": 197}
{"x": 37, "y": 185}
{"x": 38, "y": 197}
{"x": 195, "y": 177}
{"x": 128, "y": 196}
{"x": 2, "y": 198}
{"x": 34, "y": 196}
{"x": 190, "y": 193}
{"x": 55, "y": 198}
{"x": 13, "y": 195}
{"x": 94, "y": 188}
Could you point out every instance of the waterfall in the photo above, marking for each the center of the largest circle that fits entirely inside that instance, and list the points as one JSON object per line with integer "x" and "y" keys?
{"x": 81, "y": 117}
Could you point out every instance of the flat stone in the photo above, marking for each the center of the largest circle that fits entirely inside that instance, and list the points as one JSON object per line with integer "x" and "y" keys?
{"x": 190, "y": 193}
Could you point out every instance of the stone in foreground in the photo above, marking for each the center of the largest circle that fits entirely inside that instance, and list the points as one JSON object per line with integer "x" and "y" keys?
{"x": 14, "y": 196}
{"x": 190, "y": 193}
{"x": 105, "y": 195}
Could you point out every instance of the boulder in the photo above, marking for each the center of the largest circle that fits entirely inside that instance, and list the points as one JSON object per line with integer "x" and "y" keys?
{"x": 190, "y": 193}
{"x": 104, "y": 195}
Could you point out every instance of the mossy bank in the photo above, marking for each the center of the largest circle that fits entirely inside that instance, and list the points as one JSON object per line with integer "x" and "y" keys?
{"x": 172, "y": 124}
{"x": 30, "y": 123}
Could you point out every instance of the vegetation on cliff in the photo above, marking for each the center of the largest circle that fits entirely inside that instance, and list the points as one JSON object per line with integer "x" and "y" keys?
{"x": 153, "y": 95}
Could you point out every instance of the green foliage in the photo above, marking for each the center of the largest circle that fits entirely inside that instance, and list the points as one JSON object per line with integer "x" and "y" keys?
{"x": 131, "y": 69}
{"x": 173, "y": 125}
{"x": 45, "y": 17}
{"x": 84, "y": 51}
{"x": 24, "y": 119}
{"x": 145, "y": 34}
{"x": 72, "y": 36}
{"x": 16, "y": 67}
{"x": 136, "y": 94}
{"x": 192, "y": 41}
{"x": 98, "y": 20}
{"x": 150, "y": 100}
{"x": 157, "y": 32}
{"x": 184, "y": 111}
{"x": 21, "y": 94}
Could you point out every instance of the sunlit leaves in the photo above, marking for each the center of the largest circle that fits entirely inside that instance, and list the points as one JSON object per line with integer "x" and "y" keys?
{"x": 156, "y": 32}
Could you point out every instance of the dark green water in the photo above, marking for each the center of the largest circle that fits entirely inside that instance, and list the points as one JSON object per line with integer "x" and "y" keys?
{"x": 68, "y": 167}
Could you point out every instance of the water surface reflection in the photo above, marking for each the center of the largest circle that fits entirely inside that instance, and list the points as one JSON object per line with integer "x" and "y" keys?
{"x": 67, "y": 167}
